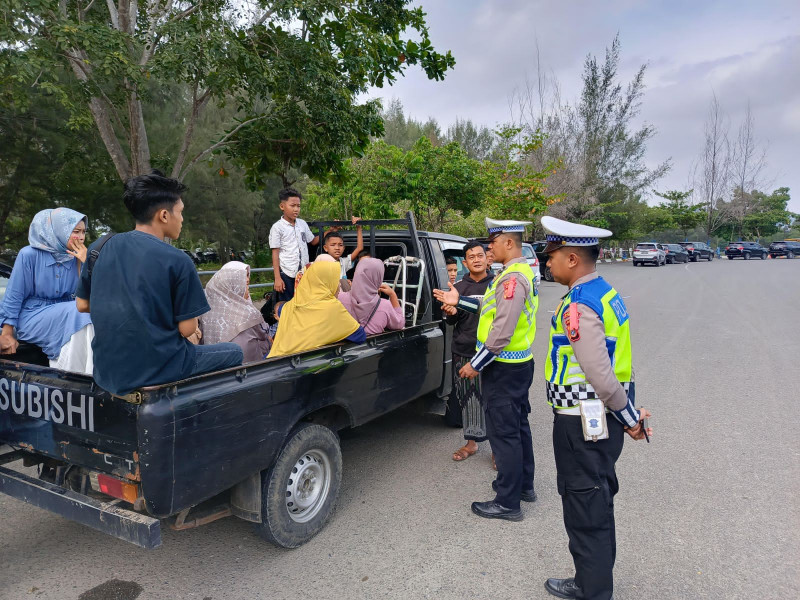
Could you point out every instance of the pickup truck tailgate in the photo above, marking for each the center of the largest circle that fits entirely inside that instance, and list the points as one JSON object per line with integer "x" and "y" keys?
{"x": 66, "y": 417}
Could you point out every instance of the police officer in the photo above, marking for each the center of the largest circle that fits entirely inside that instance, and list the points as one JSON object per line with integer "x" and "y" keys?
{"x": 504, "y": 360}
{"x": 589, "y": 359}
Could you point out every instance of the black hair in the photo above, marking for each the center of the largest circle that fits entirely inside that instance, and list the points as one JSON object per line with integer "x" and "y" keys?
{"x": 517, "y": 237}
{"x": 145, "y": 195}
{"x": 287, "y": 193}
{"x": 332, "y": 234}
{"x": 450, "y": 261}
{"x": 473, "y": 244}
{"x": 588, "y": 253}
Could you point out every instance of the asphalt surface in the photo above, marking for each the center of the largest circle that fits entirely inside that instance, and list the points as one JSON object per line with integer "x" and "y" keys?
{"x": 709, "y": 509}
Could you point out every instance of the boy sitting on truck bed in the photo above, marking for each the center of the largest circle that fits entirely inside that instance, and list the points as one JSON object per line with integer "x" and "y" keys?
{"x": 334, "y": 245}
{"x": 145, "y": 296}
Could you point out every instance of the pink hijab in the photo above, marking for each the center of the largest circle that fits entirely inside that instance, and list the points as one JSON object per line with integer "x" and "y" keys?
{"x": 364, "y": 292}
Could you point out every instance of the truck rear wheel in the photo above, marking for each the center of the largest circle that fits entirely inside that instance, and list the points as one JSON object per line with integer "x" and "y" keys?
{"x": 299, "y": 492}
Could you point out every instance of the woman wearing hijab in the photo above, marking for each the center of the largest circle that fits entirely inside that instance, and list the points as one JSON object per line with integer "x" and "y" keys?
{"x": 372, "y": 312}
{"x": 39, "y": 304}
{"x": 232, "y": 317}
{"x": 314, "y": 317}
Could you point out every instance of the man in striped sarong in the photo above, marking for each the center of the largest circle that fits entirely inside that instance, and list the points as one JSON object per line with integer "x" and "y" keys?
{"x": 465, "y": 407}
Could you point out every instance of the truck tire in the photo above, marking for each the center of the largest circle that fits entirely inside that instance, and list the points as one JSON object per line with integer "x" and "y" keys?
{"x": 790, "y": 255}
{"x": 747, "y": 256}
{"x": 710, "y": 257}
{"x": 299, "y": 491}
{"x": 548, "y": 276}
{"x": 763, "y": 255}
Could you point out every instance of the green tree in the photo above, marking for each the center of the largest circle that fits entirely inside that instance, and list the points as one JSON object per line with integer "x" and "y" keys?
{"x": 684, "y": 216}
{"x": 516, "y": 189}
{"x": 770, "y": 214}
{"x": 44, "y": 165}
{"x": 292, "y": 69}
{"x": 612, "y": 150}
{"x": 439, "y": 183}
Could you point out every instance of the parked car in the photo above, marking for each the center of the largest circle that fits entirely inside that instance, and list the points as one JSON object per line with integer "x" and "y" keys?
{"x": 698, "y": 250}
{"x": 193, "y": 255}
{"x": 538, "y": 248}
{"x": 533, "y": 261}
{"x": 786, "y": 248}
{"x": 648, "y": 253}
{"x": 745, "y": 250}
{"x": 676, "y": 253}
{"x": 258, "y": 441}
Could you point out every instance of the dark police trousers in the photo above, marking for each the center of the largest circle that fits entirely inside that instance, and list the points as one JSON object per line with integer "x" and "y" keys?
{"x": 587, "y": 484}
{"x": 505, "y": 398}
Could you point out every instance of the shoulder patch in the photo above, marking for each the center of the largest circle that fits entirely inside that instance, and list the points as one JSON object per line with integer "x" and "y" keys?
{"x": 509, "y": 286}
{"x": 618, "y": 306}
{"x": 572, "y": 319}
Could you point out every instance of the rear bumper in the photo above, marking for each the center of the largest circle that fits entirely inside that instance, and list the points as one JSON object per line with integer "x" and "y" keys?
{"x": 107, "y": 517}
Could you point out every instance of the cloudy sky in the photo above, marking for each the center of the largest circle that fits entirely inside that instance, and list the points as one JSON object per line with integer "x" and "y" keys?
{"x": 742, "y": 51}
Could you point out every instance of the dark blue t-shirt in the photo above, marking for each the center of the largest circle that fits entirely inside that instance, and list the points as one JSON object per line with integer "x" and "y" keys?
{"x": 140, "y": 289}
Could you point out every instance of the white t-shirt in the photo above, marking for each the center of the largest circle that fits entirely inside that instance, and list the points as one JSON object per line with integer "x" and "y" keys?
{"x": 292, "y": 241}
{"x": 347, "y": 264}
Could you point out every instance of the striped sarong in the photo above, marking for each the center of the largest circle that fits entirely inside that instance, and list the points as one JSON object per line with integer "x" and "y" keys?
{"x": 467, "y": 393}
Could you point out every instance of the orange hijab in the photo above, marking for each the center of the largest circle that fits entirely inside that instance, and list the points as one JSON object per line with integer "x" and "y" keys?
{"x": 314, "y": 317}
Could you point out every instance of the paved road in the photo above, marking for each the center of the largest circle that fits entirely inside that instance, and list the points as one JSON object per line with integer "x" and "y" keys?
{"x": 710, "y": 509}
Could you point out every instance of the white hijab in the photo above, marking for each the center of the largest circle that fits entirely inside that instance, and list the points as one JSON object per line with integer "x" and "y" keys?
{"x": 231, "y": 313}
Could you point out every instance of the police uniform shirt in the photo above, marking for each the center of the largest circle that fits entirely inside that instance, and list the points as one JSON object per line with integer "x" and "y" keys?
{"x": 592, "y": 354}
{"x": 511, "y": 291}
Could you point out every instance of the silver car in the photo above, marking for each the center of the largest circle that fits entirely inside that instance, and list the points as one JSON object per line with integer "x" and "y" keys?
{"x": 649, "y": 253}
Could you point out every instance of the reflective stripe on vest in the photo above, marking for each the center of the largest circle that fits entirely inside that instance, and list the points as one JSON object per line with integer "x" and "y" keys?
{"x": 565, "y": 380}
{"x": 519, "y": 347}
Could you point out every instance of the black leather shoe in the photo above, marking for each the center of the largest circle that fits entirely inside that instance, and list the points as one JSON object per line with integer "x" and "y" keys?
{"x": 493, "y": 510}
{"x": 526, "y": 496}
{"x": 562, "y": 588}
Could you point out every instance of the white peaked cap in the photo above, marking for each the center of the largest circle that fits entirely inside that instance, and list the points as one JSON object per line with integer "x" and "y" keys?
{"x": 563, "y": 233}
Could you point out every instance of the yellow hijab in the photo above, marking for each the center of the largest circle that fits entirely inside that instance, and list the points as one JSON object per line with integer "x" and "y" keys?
{"x": 314, "y": 317}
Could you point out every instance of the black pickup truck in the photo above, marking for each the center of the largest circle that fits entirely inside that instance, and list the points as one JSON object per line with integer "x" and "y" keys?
{"x": 258, "y": 442}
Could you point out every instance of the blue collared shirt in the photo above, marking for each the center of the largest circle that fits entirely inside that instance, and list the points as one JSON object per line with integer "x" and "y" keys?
{"x": 40, "y": 301}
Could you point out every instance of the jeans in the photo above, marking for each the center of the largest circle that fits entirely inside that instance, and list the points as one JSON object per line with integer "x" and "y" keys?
{"x": 216, "y": 357}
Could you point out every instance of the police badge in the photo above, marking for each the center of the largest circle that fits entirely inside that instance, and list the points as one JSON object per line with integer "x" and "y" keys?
{"x": 593, "y": 419}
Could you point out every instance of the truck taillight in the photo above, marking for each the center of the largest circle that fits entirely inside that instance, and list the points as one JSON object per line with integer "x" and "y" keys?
{"x": 727, "y": 247}
{"x": 690, "y": 248}
{"x": 117, "y": 488}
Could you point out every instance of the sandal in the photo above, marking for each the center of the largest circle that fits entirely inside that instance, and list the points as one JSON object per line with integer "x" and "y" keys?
{"x": 463, "y": 453}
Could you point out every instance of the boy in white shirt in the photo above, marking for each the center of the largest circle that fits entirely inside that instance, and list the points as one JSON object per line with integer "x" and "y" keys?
{"x": 289, "y": 238}
{"x": 334, "y": 245}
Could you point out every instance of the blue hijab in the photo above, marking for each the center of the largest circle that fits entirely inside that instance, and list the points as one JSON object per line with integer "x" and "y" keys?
{"x": 50, "y": 231}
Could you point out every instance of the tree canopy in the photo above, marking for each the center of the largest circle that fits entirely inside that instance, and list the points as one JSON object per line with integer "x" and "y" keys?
{"x": 292, "y": 70}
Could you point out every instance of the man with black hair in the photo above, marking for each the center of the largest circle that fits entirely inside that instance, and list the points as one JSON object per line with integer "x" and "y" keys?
{"x": 144, "y": 297}
{"x": 590, "y": 388}
{"x": 465, "y": 404}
